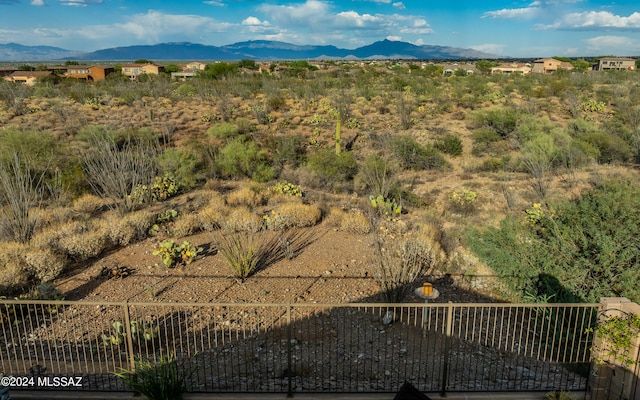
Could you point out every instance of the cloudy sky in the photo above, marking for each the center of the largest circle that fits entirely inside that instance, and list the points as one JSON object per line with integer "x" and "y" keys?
{"x": 511, "y": 28}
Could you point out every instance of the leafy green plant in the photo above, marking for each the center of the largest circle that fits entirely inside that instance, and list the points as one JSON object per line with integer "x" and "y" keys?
{"x": 172, "y": 254}
{"x": 616, "y": 335}
{"x": 145, "y": 331}
{"x": 332, "y": 167}
{"x": 413, "y": 155}
{"x": 163, "y": 187}
{"x": 163, "y": 380}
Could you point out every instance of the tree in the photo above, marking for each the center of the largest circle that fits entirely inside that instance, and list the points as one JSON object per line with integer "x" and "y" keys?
{"x": 248, "y": 64}
{"x": 169, "y": 68}
{"x": 143, "y": 61}
{"x": 484, "y": 66}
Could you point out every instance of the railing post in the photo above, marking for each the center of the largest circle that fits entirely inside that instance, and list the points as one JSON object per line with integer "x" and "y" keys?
{"x": 128, "y": 337}
{"x": 447, "y": 346}
{"x": 289, "y": 355}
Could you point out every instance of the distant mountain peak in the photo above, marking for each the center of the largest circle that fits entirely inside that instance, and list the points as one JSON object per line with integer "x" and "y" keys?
{"x": 253, "y": 49}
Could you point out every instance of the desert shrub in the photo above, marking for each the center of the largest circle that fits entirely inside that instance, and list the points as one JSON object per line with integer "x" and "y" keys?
{"x": 413, "y": 155}
{"x": 186, "y": 225}
{"x": 212, "y": 215}
{"x": 290, "y": 215}
{"x": 182, "y": 164}
{"x": 186, "y": 90}
{"x": 502, "y": 121}
{"x": 579, "y": 253}
{"x": 84, "y": 245}
{"x": 332, "y": 167}
{"x": 20, "y": 191}
{"x": 385, "y": 207}
{"x": 223, "y": 130}
{"x": 44, "y": 265}
{"x": 242, "y": 219}
{"x": 449, "y": 144}
{"x": 289, "y": 150}
{"x": 375, "y": 175}
{"x": 163, "y": 380}
{"x": 114, "y": 170}
{"x": 483, "y": 141}
{"x": 246, "y": 196}
{"x": 243, "y": 252}
{"x": 13, "y": 268}
{"x": 401, "y": 262}
{"x": 611, "y": 148}
{"x": 240, "y": 158}
{"x": 87, "y": 204}
{"x": 128, "y": 229}
{"x": 355, "y": 222}
{"x": 335, "y": 216}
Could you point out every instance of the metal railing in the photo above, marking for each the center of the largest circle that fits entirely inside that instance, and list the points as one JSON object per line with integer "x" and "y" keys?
{"x": 304, "y": 347}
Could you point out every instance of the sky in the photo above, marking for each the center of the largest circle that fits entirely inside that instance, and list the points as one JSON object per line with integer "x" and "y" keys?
{"x": 508, "y": 28}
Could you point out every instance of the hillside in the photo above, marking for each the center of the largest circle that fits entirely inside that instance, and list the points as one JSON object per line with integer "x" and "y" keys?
{"x": 440, "y": 156}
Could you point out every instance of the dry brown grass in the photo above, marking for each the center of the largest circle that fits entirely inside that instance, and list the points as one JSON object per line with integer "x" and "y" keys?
{"x": 355, "y": 222}
{"x": 245, "y": 196}
{"x": 242, "y": 219}
{"x": 293, "y": 215}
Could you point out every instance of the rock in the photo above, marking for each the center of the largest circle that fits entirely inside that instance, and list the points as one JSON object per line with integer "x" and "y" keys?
{"x": 387, "y": 318}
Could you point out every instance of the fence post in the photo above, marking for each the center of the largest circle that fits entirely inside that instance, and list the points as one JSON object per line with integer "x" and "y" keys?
{"x": 447, "y": 345}
{"x": 613, "y": 378}
{"x": 289, "y": 355}
{"x": 129, "y": 336}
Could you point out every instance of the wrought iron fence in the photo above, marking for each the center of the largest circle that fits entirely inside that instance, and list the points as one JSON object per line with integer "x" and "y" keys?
{"x": 303, "y": 347}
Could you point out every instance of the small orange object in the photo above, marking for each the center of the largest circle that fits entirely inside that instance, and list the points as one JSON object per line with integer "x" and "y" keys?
{"x": 427, "y": 289}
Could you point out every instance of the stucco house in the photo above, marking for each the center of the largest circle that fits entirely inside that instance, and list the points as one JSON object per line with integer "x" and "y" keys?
{"x": 135, "y": 70}
{"x": 194, "y": 66}
{"x": 512, "y": 68}
{"x": 29, "y": 78}
{"x": 550, "y": 65}
{"x": 615, "y": 64}
{"x": 89, "y": 73}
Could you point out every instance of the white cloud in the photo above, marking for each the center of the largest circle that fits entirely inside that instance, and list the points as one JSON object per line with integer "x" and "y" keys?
{"x": 394, "y": 38}
{"x": 353, "y": 19}
{"x": 214, "y": 3}
{"x": 253, "y": 21}
{"x": 612, "y": 45}
{"x": 79, "y": 3}
{"x": 524, "y": 13}
{"x": 299, "y": 15}
{"x": 399, "y": 5}
{"x": 596, "y": 20}
{"x": 38, "y": 3}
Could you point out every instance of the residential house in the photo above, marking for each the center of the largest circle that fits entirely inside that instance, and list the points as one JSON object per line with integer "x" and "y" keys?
{"x": 615, "y": 64}
{"x": 29, "y": 78}
{"x": 135, "y": 70}
{"x": 450, "y": 69}
{"x": 550, "y": 65}
{"x": 88, "y": 73}
{"x": 512, "y": 68}
{"x": 194, "y": 66}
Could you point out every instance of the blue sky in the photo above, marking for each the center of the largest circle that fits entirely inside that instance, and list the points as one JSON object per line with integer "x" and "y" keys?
{"x": 514, "y": 28}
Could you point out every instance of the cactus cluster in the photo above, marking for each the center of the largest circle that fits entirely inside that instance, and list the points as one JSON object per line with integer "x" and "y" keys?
{"x": 172, "y": 254}
{"x": 146, "y": 331}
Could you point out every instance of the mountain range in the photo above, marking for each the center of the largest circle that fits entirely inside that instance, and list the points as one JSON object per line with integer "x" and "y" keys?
{"x": 254, "y": 49}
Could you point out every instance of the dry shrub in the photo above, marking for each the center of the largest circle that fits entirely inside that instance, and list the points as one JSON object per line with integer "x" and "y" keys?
{"x": 282, "y": 198}
{"x": 242, "y": 219}
{"x": 186, "y": 225}
{"x": 422, "y": 249}
{"x": 213, "y": 214}
{"x": 123, "y": 231}
{"x": 293, "y": 215}
{"x": 85, "y": 245}
{"x": 13, "y": 268}
{"x": 54, "y": 215}
{"x": 49, "y": 238}
{"x": 44, "y": 264}
{"x": 245, "y": 197}
{"x": 335, "y": 216}
{"x": 87, "y": 204}
{"x": 356, "y": 222}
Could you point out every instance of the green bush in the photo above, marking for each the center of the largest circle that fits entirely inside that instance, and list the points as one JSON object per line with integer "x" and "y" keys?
{"x": 223, "y": 130}
{"x": 579, "y": 251}
{"x": 449, "y": 144}
{"x": 611, "y": 148}
{"x": 332, "y": 167}
{"x": 241, "y": 158}
{"x": 172, "y": 253}
{"x": 182, "y": 164}
{"x": 413, "y": 155}
{"x": 502, "y": 121}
